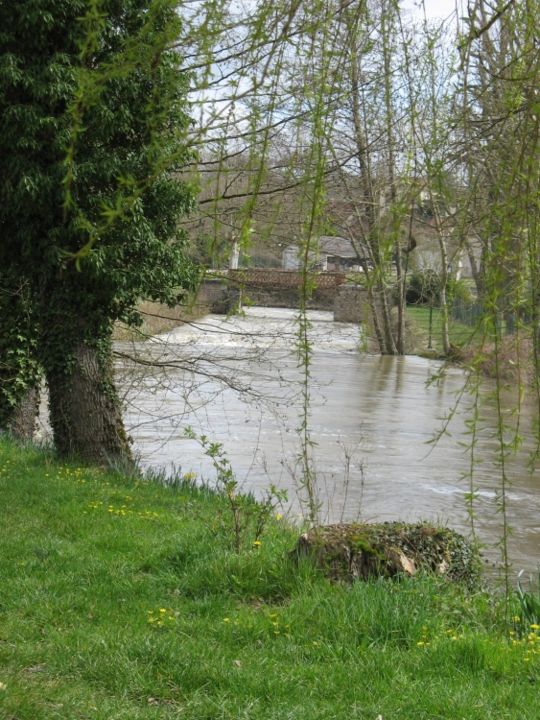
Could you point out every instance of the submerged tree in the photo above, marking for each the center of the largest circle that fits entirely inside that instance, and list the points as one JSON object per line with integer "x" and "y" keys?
{"x": 92, "y": 130}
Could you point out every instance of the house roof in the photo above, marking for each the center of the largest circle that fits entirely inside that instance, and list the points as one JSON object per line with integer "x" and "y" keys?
{"x": 333, "y": 245}
{"x": 337, "y": 246}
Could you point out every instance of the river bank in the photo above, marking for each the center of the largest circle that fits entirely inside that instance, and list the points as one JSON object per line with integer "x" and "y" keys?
{"x": 124, "y": 599}
{"x": 372, "y": 420}
{"x": 158, "y": 318}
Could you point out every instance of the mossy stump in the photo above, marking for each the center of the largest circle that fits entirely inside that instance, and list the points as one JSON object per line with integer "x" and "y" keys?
{"x": 357, "y": 551}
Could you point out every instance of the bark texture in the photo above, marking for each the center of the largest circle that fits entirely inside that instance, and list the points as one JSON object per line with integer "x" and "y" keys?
{"x": 85, "y": 410}
{"x": 22, "y": 423}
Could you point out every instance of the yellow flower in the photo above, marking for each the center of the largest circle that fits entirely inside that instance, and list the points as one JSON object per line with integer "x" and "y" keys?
{"x": 226, "y": 620}
{"x": 278, "y": 516}
{"x": 535, "y": 626}
{"x": 256, "y": 543}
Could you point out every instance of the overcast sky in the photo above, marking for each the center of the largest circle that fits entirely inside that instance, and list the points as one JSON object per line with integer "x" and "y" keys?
{"x": 434, "y": 8}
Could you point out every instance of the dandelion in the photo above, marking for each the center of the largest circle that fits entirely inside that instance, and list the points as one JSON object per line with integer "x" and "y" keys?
{"x": 159, "y": 618}
{"x": 256, "y": 543}
{"x": 226, "y": 620}
{"x": 278, "y": 516}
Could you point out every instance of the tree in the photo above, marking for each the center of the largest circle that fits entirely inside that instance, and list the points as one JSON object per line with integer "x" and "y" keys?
{"x": 92, "y": 132}
{"x": 19, "y": 370}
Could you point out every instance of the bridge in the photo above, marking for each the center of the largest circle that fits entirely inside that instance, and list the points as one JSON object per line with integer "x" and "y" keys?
{"x": 226, "y": 291}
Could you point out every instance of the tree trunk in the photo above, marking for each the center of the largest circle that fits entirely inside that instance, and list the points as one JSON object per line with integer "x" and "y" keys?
{"x": 85, "y": 410}
{"x": 445, "y": 329}
{"x": 389, "y": 341}
{"x": 20, "y": 373}
{"x": 22, "y": 422}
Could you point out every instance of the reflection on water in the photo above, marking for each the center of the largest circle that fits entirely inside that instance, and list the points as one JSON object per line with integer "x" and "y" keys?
{"x": 372, "y": 419}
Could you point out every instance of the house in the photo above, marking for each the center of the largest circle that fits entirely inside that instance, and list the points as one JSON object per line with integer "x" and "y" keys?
{"x": 330, "y": 254}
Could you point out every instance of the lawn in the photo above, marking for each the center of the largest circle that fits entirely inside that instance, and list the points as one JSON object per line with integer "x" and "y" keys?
{"x": 460, "y": 334}
{"x": 123, "y": 599}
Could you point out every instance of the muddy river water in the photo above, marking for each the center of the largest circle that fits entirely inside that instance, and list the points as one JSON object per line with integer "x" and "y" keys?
{"x": 372, "y": 422}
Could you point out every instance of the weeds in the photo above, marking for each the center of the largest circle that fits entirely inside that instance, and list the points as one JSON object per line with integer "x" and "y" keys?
{"x": 529, "y": 603}
{"x": 247, "y": 518}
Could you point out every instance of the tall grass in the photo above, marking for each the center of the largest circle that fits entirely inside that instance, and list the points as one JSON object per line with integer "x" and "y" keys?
{"x": 122, "y": 598}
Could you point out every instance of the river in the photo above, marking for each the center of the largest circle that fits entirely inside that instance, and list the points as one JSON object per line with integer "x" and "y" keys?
{"x": 372, "y": 421}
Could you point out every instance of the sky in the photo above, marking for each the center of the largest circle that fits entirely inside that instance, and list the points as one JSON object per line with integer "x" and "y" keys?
{"x": 434, "y": 8}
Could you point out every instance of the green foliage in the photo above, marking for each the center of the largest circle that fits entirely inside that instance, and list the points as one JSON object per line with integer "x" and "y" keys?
{"x": 424, "y": 288}
{"x": 120, "y": 600}
{"x": 246, "y": 518}
{"x": 19, "y": 369}
{"x": 92, "y": 138}
{"x": 529, "y": 605}
{"x": 92, "y": 133}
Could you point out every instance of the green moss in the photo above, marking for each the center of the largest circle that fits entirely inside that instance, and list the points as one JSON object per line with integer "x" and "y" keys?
{"x": 348, "y": 551}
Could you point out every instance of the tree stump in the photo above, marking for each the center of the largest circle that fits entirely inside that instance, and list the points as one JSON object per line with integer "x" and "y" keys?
{"x": 357, "y": 551}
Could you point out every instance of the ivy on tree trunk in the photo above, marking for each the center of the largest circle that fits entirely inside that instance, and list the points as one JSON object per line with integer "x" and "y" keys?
{"x": 93, "y": 139}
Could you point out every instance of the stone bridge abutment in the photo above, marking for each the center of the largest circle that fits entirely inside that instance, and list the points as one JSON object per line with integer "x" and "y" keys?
{"x": 226, "y": 292}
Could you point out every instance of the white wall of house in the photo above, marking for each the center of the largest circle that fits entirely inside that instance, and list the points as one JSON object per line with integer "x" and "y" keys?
{"x": 290, "y": 258}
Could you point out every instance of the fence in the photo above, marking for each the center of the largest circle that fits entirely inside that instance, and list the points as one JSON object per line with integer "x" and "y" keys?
{"x": 470, "y": 313}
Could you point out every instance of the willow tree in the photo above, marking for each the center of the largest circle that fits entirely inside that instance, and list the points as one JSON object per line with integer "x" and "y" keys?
{"x": 92, "y": 130}
{"x": 499, "y": 122}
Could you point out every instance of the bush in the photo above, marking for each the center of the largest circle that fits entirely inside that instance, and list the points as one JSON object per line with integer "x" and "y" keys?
{"x": 424, "y": 288}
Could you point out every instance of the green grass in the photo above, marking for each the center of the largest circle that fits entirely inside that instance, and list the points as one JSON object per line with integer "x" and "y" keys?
{"x": 122, "y": 599}
{"x": 460, "y": 334}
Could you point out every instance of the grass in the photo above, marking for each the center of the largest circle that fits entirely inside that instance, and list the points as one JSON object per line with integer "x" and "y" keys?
{"x": 123, "y": 599}
{"x": 460, "y": 334}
